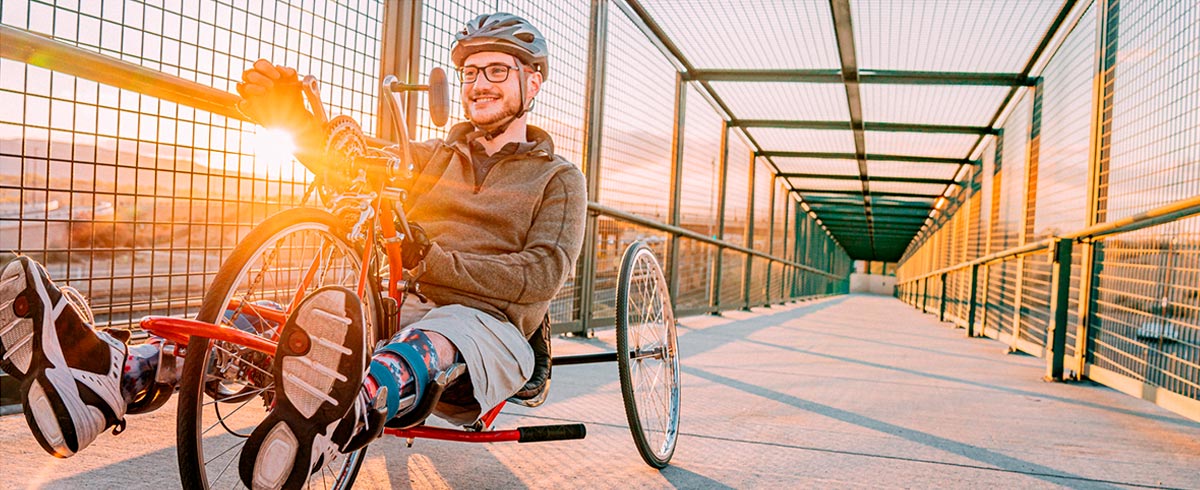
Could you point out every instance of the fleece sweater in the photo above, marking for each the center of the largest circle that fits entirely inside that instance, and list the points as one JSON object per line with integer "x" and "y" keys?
{"x": 504, "y": 244}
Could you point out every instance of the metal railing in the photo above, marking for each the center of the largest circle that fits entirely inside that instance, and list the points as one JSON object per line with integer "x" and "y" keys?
{"x": 1061, "y": 248}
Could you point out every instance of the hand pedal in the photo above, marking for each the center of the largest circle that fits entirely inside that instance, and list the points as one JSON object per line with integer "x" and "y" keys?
{"x": 542, "y": 433}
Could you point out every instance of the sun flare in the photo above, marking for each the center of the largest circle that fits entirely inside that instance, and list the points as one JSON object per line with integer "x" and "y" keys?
{"x": 272, "y": 150}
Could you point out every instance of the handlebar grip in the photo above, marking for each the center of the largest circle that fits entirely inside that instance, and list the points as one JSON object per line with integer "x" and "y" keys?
{"x": 541, "y": 433}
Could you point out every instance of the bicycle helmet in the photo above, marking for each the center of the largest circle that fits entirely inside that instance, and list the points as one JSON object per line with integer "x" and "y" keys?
{"x": 505, "y": 33}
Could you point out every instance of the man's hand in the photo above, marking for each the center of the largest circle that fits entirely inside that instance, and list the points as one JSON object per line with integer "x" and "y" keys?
{"x": 414, "y": 247}
{"x": 273, "y": 98}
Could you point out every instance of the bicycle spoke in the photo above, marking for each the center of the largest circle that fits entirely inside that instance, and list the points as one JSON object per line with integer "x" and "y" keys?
{"x": 236, "y": 444}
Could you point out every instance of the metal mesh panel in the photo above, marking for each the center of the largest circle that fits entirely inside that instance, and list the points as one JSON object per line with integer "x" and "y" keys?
{"x": 827, "y": 184}
{"x": 1145, "y": 325}
{"x": 818, "y": 140}
{"x": 779, "y": 100}
{"x": 762, "y": 205}
{"x": 732, "y": 266}
{"x": 759, "y": 280}
{"x": 614, "y": 237}
{"x": 439, "y": 22}
{"x": 695, "y": 270}
{"x": 1155, "y": 148}
{"x": 737, "y": 189}
{"x": 877, "y": 168}
{"x": 639, "y": 102}
{"x": 930, "y": 104}
{"x": 949, "y": 35}
{"x": 1011, "y": 203}
{"x": 816, "y": 166}
{"x": 135, "y": 200}
{"x": 1066, "y": 124}
{"x": 920, "y": 144}
{"x": 701, "y": 156}
{"x": 750, "y": 34}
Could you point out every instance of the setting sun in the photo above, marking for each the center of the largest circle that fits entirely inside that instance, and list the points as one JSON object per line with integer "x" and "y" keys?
{"x": 272, "y": 150}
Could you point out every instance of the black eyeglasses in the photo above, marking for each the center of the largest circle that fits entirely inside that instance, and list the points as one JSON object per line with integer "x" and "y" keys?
{"x": 495, "y": 73}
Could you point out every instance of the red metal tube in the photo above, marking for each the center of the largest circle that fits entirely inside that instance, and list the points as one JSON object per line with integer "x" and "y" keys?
{"x": 423, "y": 432}
{"x": 179, "y": 329}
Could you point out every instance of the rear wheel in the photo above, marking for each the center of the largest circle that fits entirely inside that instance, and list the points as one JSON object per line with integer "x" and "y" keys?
{"x": 226, "y": 390}
{"x": 647, "y": 355}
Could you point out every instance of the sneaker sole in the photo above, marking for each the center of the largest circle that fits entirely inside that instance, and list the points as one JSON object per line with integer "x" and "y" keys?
{"x": 50, "y": 396}
{"x": 318, "y": 373}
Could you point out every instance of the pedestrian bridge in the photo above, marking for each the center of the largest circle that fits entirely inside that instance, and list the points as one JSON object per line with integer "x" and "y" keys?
{"x": 847, "y": 391}
{"x": 1026, "y": 171}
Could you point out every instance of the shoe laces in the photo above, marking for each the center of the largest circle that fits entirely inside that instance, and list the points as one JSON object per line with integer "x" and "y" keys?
{"x": 79, "y": 302}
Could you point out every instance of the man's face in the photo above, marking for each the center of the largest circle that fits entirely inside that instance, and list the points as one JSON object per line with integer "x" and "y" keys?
{"x": 488, "y": 103}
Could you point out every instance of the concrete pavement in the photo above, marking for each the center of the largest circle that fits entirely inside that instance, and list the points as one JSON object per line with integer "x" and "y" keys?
{"x": 847, "y": 392}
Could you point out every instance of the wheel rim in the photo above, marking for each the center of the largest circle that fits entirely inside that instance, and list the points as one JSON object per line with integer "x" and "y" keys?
{"x": 653, "y": 361}
{"x": 238, "y": 386}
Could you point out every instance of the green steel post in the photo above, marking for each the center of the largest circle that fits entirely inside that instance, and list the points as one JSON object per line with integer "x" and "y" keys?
{"x": 971, "y": 306}
{"x": 1107, "y": 26}
{"x": 722, "y": 181}
{"x": 675, "y": 187}
{"x": 1060, "y": 288}
{"x": 593, "y": 125}
{"x": 749, "y": 237}
{"x": 770, "y": 239}
{"x": 925, "y": 295}
{"x": 942, "y": 301}
{"x": 400, "y": 55}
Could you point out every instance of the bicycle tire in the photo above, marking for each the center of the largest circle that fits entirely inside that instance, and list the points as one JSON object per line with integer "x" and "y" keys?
{"x": 647, "y": 341}
{"x": 294, "y": 232}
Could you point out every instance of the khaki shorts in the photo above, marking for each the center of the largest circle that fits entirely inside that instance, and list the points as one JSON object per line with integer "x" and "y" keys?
{"x": 498, "y": 356}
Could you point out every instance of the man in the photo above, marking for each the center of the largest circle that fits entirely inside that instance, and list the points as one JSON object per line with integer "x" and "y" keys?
{"x": 504, "y": 223}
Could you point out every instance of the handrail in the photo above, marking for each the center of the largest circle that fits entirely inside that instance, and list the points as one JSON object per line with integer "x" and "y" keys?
{"x": 649, "y": 223}
{"x": 1182, "y": 208}
{"x": 38, "y": 50}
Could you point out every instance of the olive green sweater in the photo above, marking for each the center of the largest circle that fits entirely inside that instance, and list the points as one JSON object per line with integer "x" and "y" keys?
{"x": 504, "y": 245}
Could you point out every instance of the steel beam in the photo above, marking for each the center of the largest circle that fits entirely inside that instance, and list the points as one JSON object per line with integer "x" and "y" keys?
{"x": 907, "y": 180}
{"x": 898, "y": 77}
{"x": 817, "y": 200}
{"x": 869, "y": 126}
{"x": 891, "y": 194}
{"x": 843, "y": 220}
{"x": 851, "y": 211}
{"x": 843, "y": 30}
{"x": 852, "y": 156}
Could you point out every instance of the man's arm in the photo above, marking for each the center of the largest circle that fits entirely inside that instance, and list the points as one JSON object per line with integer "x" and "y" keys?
{"x": 533, "y": 274}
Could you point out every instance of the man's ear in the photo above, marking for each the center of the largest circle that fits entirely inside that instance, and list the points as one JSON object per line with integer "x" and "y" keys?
{"x": 533, "y": 84}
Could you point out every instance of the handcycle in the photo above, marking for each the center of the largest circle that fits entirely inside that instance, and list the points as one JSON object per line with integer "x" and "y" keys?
{"x": 354, "y": 239}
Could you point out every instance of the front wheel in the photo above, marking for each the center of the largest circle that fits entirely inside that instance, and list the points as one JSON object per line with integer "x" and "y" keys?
{"x": 648, "y": 355}
{"x": 226, "y": 390}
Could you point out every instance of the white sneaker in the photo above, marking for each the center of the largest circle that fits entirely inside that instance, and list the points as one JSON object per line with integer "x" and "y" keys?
{"x": 319, "y": 409}
{"x": 70, "y": 374}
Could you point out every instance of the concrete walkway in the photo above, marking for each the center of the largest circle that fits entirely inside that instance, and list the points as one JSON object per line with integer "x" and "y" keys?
{"x": 852, "y": 391}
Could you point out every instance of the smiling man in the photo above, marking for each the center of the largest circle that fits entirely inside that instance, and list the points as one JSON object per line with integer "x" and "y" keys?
{"x": 501, "y": 224}
{"x": 501, "y": 221}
